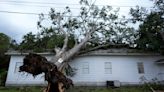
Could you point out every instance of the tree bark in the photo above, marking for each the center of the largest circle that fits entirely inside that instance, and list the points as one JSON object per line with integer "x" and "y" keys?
{"x": 64, "y": 56}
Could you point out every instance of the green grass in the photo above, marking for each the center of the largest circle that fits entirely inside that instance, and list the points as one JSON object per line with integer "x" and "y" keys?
{"x": 77, "y": 89}
{"x": 21, "y": 89}
{"x": 103, "y": 89}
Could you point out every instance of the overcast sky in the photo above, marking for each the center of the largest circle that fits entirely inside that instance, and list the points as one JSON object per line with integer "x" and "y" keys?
{"x": 18, "y": 17}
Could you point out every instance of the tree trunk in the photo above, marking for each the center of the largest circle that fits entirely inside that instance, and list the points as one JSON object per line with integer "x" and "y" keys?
{"x": 63, "y": 56}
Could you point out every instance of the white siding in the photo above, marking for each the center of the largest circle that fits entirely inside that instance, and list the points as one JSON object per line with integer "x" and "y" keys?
{"x": 124, "y": 69}
{"x": 16, "y": 78}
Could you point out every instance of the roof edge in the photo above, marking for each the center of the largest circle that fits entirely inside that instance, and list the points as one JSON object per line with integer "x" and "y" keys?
{"x": 26, "y": 53}
{"x": 93, "y": 53}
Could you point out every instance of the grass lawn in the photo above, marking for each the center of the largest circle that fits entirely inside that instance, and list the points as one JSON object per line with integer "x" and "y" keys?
{"x": 77, "y": 89}
{"x": 20, "y": 89}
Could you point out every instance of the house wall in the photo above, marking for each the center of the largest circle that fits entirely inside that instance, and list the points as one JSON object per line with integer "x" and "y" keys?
{"x": 15, "y": 78}
{"x": 123, "y": 68}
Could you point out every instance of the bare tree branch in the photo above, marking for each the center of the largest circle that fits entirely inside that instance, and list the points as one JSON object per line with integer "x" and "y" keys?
{"x": 95, "y": 48}
{"x": 64, "y": 55}
{"x": 65, "y": 41}
{"x": 77, "y": 48}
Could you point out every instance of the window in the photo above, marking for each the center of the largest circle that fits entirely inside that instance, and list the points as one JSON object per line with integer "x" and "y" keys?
{"x": 108, "y": 68}
{"x": 85, "y": 68}
{"x": 17, "y": 65}
{"x": 140, "y": 67}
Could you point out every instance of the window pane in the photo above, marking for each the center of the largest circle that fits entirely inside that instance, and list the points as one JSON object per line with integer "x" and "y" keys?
{"x": 108, "y": 67}
{"x": 85, "y": 68}
{"x": 140, "y": 67}
{"x": 85, "y": 65}
{"x": 85, "y": 71}
{"x": 108, "y": 71}
{"x": 18, "y": 64}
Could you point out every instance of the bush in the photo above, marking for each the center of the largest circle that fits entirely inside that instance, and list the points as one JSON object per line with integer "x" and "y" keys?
{"x": 3, "y": 75}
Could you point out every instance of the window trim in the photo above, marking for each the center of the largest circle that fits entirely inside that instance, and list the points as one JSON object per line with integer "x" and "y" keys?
{"x": 108, "y": 69}
{"x": 85, "y": 68}
{"x": 140, "y": 68}
{"x": 17, "y": 65}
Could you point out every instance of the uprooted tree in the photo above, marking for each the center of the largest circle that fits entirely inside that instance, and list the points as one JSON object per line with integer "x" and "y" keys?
{"x": 95, "y": 26}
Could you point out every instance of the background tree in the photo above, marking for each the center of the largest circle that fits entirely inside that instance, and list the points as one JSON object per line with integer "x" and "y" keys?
{"x": 4, "y": 60}
{"x": 151, "y": 29}
{"x": 42, "y": 41}
{"x": 5, "y": 42}
{"x": 14, "y": 45}
{"x": 28, "y": 42}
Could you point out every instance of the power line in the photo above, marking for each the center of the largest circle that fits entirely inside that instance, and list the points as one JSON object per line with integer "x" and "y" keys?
{"x": 37, "y": 5}
{"x": 51, "y": 3}
{"x": 27, "y": 13}
{"x": 39, "y": 2}
{"x": 30, "y": 13}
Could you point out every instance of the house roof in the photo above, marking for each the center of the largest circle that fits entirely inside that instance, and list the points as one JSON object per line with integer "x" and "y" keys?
{"x": 160, "y": 61}
{"x": 26, "y": 53}
{"x": 113, "y": 51}
{"x": 121, "y": 51}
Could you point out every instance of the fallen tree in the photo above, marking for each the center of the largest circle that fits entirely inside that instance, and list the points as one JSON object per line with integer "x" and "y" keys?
{"x": 94, "y": 25}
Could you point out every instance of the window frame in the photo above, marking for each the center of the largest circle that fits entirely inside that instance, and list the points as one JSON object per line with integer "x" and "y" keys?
{"x": 140, "y": 68}
{"x": 17, "y": 65}
{"x": 108, "y": 67}
{"x": 85, "y": 68}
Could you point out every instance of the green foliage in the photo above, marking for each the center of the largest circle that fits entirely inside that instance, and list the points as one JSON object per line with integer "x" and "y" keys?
{"x": 14, "y": 45}
{"x": 102, "y": 89}
{"x": 4, "y": 43}
{"x": 46, "y": 39}
{"x": 4, "y": 63}
{"x": 3, "y": 75}
{"x": 103, "y": 23}
{"x": 70, "y": 71}
{"x": 150, "y": 33}
{"x": 4, "y": 60}
{"x": 55, "y": 40}
{"x": 21, "y": 89}
{"x": 149, "y": 36}
{"x": 28, "y": 42}
{"x": 159, "y": 4}
{"x": 139, "y": 14}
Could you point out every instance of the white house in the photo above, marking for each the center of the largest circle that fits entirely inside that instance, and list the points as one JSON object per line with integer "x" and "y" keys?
{"x": 96, "y": 67}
